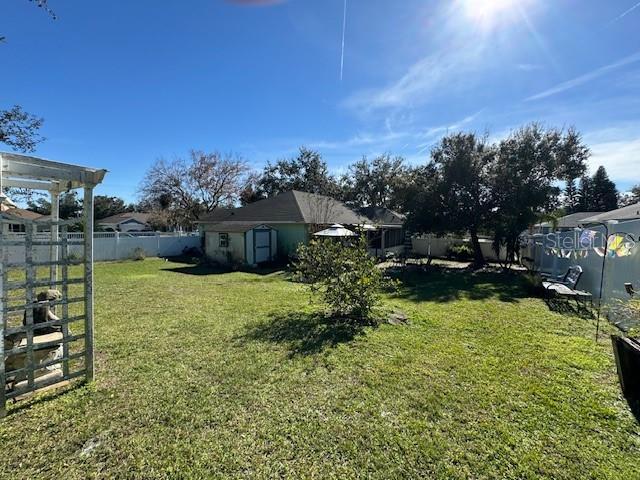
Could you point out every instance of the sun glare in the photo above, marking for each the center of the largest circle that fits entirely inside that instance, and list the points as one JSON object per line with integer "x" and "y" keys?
{"x": 488, "y": 14}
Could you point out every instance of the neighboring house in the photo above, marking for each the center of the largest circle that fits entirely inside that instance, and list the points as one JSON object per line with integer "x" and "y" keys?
{"x": 126, "y": 222}
{"x": 273, "y": 228}
{"x": 18, "y": 214}
{"x": 563, "y": 224}
{"x": 630, "y": 212}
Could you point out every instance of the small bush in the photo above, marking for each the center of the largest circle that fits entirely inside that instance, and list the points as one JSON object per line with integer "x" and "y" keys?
{"x": 138, "y": 254}
{"x": 460, "y": 252}
{"x": 533, "y": 283}
{"x": 345, "y": 275}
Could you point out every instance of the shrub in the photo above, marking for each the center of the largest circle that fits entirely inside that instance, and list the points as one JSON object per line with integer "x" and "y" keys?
{"x": 460, "y": 252}
{"x": 138, "y": 254}
{"x": 344, "y": 274}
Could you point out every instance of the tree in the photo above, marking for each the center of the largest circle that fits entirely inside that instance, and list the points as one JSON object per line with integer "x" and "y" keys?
{"x": 454, "y": 189}
{"x": 571, "y": 197}
{"x": 630, "y": 198}
{"x": 597, "y": 193}
{"x": 43, "y": 4}
{"x": 604, "y": 195}
{"x": 375, "y": 183}
{"x": 344, "y": 274}
{"x": 70, "y": 205}
{"x": 188, "y": 189}
{"x": 308, "y": 172}
{"x": 105, "y": 206}
{"x": 19, "y": 129}
{"x": 584, "y": 194}
{"x": 529, "y": 164}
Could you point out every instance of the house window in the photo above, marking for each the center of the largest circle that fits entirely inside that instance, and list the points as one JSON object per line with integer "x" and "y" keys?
{"x": 17, "y": 228}
{"x": 223, "y": 240}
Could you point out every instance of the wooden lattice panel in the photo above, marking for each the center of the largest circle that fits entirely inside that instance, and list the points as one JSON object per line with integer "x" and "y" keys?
{"x": 47, "y": 337}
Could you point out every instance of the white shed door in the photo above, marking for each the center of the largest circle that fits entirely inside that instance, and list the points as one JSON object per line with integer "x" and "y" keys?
{"x": 262, "y": 246}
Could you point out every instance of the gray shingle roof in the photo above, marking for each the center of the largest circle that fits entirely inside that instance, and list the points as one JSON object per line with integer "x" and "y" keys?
{"x": 382, "y": 215}
{"x": 232, "y": 227}
{"x": 291, "y": 207}
{"x": 570, "y": 221}
{"x": 123, "y": 217}
{"x": 629, "y": 212}
{"x": 21, "y": 214}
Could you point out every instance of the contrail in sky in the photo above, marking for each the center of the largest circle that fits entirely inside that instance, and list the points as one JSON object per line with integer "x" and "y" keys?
{"x": 344, "y": 28}
{"x": 625, "y": 13}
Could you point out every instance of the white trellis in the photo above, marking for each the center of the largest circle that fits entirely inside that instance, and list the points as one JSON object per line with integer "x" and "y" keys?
{"x": 26, "y": 363}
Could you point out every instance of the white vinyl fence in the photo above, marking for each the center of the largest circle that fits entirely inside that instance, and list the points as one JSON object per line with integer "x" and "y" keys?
{"x": 614, "y": 248}
{"x": 115, "y": 245}
{"x": 431, "y": 245}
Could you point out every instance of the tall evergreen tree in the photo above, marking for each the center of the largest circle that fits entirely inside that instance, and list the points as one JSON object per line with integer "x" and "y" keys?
{"x": 584, "y": 194}
{"x": 604, "y": 195}
{"x": 571, "y": 197}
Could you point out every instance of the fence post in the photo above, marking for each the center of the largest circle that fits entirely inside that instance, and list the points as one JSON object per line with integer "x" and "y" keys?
{"x": 88, "y": 281}
{"x": 55, "y": 217}
{"x": 117, "y": 237}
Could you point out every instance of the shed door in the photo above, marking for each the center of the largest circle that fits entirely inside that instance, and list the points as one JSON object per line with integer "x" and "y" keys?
{"x": 262, "y": 246}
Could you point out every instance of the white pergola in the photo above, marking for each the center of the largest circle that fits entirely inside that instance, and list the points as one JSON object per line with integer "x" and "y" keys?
{"x": 28, "y": 172}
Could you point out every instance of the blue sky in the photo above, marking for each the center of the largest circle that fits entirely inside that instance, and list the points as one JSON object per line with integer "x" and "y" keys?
{"x": 123, "y": 83}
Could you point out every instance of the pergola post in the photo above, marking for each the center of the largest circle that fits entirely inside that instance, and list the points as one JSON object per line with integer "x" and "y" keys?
{"x": 55, "y": 217}
{"x": 87, "y": 206}
{"x": 382, "y": 246}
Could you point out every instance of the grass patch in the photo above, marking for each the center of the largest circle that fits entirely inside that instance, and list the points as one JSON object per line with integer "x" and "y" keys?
{"x": 205, "y": 374}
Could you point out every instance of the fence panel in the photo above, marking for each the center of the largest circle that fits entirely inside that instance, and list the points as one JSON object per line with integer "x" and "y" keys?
{"x": 609, "y": 256}
{"x": 110, "y": 245}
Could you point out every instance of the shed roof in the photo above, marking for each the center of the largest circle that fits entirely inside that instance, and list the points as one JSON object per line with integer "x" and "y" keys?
{"x": 630, "y": 212}
{"x": 233, "y": 227}
{"x": 290, "y": 207}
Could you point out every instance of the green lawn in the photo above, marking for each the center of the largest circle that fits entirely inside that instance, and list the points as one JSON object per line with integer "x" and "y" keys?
{"x": 232, "y": 375}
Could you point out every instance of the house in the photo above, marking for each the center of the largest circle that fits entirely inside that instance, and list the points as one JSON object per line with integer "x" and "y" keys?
{"x": 389, "y": 234}
{"x": 563, "y": 224}
{"x": 126, "y": 222}
{"x": 630, "y": 212}
{"x": 18, "y": 214}
{"x": 273, "y": 228}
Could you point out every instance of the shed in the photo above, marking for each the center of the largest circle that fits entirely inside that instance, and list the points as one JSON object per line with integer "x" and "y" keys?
{"x": 238, "y": 242}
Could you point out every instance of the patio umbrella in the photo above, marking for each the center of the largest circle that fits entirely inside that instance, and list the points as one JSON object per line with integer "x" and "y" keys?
{"x": 335, "y": 230}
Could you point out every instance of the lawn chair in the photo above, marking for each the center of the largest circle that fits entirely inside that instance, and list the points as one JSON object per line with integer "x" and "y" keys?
{"x": 566, "y": 286}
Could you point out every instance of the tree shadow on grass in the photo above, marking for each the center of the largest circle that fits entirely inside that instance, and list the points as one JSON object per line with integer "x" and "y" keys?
{"x": 438, "y": 284}
{"x": 204, "y": 269}
{"x": 303, "y": 333}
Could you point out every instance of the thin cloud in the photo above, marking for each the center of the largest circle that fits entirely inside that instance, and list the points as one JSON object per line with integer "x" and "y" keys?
{"x": 528, "y": 67}
{"x": 344, "y": 29}
{"x": 568, "y": 85}
{"x": 423, "y": 80}
{"x": 625, "y": 13}
{"x": 617, "y": 148}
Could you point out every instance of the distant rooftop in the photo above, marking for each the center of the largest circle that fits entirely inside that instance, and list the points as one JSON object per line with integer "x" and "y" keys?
{"x": 630, "y": 212}
{"x": 123, "y": 217}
